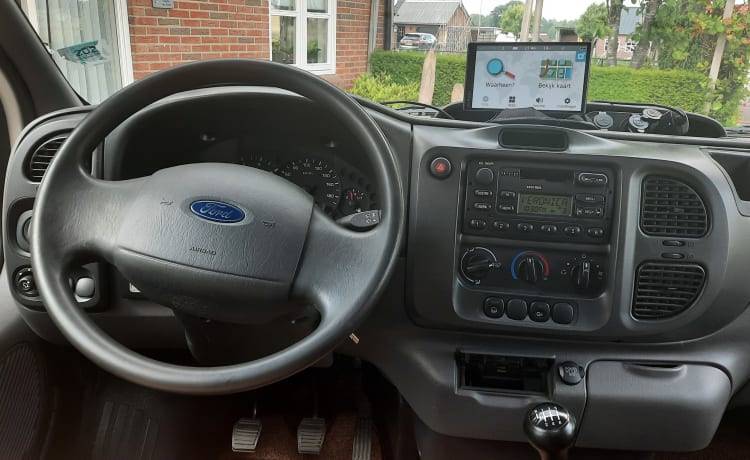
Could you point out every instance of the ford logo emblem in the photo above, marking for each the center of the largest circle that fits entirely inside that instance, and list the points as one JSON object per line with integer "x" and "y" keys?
{"x": 217, "y": 211}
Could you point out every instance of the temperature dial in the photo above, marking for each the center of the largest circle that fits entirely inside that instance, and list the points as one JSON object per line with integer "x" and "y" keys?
{"x": 531, "y": 267}
{"x": 476, "y": 263}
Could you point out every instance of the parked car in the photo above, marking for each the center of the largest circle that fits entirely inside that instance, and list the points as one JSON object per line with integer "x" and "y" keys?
{"x": 417, "y": 41}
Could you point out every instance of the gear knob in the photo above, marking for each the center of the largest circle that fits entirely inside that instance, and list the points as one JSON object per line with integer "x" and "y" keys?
{"x": 550, "y": 429}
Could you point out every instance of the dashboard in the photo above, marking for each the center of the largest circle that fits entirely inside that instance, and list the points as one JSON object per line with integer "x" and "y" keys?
{"x": 532, "y": 252}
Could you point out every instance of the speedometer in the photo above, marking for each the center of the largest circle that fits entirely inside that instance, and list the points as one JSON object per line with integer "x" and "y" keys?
{"x": 317, "y": 178}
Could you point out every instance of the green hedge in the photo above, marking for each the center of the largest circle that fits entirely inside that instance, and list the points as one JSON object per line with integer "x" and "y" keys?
{"x": 677, "y": 88}
{"x": 405, "y": 67}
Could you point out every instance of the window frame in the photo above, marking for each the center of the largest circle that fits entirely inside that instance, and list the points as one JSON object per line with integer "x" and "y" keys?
{"x": 301, "y": 16}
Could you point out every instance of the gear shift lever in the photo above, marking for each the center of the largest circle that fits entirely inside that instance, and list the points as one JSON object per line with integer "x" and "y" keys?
{"x": 550, "y": 429}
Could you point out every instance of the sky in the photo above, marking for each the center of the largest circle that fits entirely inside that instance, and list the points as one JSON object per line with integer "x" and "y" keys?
{"x": 553, "y": 9}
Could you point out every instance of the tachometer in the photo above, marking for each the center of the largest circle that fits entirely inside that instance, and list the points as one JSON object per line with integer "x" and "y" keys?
{"x": 317, "y": 178}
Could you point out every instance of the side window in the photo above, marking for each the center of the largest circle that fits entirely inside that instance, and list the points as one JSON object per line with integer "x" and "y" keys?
{"x": 82, "y": 37}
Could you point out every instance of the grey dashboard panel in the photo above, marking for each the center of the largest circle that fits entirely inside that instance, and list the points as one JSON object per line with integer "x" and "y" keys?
{"x": 435, "y": 237}
{"x": 415, "y": 332}
{"x": 652, "y": 406}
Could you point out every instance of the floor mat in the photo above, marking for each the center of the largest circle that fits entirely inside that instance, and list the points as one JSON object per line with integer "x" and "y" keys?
{"x": 279, "y": 440}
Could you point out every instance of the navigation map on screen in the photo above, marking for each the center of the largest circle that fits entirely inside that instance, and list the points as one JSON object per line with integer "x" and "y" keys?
{"x": 547, "y": 77}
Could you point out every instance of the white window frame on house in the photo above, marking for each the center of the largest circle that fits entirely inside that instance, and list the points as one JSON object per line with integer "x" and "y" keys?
{"x": 301, "y": 16}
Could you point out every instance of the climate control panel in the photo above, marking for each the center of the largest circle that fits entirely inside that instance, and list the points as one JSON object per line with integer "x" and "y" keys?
{"x": 552, "y": 271}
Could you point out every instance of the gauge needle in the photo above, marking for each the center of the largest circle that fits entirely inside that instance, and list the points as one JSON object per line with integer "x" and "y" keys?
{"x": 511, "y": 75}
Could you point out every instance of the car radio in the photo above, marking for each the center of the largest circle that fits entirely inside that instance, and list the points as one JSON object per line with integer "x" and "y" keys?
{"x": 519, "y": 200}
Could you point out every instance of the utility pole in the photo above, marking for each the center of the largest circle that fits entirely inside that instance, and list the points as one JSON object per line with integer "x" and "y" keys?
{"x": 721, "y": 43}
{"x": 526, "y": 20}
{"x": 537, "y": 20}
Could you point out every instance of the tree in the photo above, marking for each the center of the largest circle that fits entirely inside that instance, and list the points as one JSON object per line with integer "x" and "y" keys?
{"x": 686, "y": 33}
{"x": 511, "y": 19}
{"x": 614, "y": 11}
{"x": 593, "y": 23}
{"x": 494, "y": 18}
{"x": 549, "y": 26}
{"x": 640, "y": 55}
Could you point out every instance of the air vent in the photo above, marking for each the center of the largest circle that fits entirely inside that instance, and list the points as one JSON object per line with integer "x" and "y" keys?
{"x": 43, "y": 156}
{"x": 672, "y": 208}
{"x": 665, "y": 289}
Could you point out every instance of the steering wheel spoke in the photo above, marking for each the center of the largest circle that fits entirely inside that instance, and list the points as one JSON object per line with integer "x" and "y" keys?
{"x": 335, "y": 263}
{"x": 84, "y": 214}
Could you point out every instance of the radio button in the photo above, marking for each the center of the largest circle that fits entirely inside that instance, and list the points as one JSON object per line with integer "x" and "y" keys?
{"x": 507, "y": 194}
{"x": 590, "y": 212}
{"x": 595, "y": 232}
{"x": 482, "y": 192}
{"x": 589, "y": 198}
{"x": 500, "y": 226}
{"x": 572, "y": 230}
{"x": 525, "y": 227}
{"x": 589, "y": 178}
{"x": 484, "y": 176}
{"x": 548, "y": 228}
{"x": 478, "y": 224}
{"x": 506, "y": 208}
{"x": 516, "y": 309}
{"x": 483, "y": 206}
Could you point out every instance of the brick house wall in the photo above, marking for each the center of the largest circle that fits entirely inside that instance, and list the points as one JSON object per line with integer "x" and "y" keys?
{"x": 195, "y": 30}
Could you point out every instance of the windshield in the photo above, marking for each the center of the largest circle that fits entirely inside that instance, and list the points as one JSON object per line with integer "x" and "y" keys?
{"x": 689, "y": 54}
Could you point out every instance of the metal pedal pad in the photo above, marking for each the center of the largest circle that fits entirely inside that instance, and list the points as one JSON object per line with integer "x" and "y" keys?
{"x": 362, "y": 448}
{"x": 245, "y": 434}
{"x": 311, "y": 433}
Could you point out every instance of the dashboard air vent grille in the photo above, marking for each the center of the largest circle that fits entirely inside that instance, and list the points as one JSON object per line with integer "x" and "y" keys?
{"x": 665, "y": 289}
{"x": 672, "y": 208}
{"x": 43, "y": 156}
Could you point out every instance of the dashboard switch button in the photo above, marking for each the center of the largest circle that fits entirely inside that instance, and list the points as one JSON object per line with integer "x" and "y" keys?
{"x": 494, "y": 307}
{"x": 562, "y": 313}
{"x": 570, "y": 373}
{"x": 517, "y": 309}
{"x": 441, "y": 167}
{"x": 673, "y": 255}
{"x": 673, "y": 243}
{"x": 539, "y": 311}
{"x": 572, "y": 230}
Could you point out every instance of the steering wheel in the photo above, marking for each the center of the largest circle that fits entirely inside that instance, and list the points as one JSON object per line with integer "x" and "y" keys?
{"x": 213, "y": 241}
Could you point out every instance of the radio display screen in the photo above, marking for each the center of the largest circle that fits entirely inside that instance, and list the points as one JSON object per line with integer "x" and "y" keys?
{"x": 547, "y": 205}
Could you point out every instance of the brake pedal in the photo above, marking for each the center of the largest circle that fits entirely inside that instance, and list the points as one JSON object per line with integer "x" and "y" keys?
{"x": 246, "y": 433}
{"x": 310, "y": 435}
{"x": 362, "y": 448}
